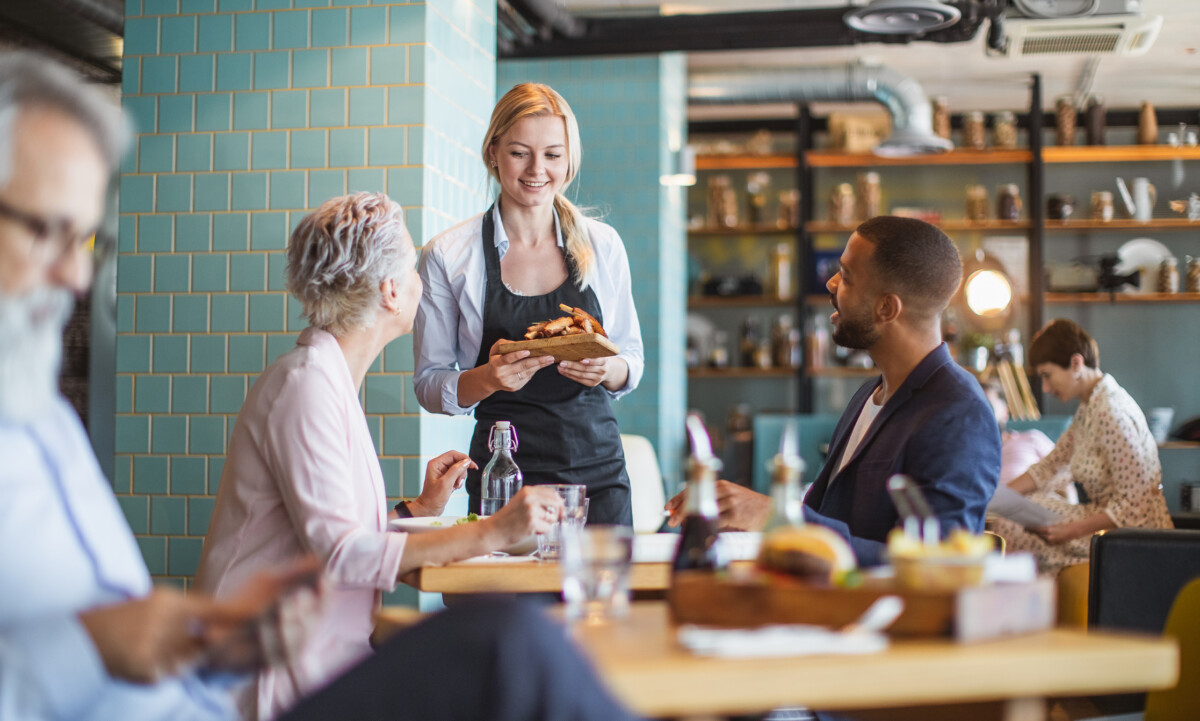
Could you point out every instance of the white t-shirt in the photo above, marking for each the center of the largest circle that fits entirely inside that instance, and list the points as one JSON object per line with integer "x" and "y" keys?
{"x": 865, "y": 417}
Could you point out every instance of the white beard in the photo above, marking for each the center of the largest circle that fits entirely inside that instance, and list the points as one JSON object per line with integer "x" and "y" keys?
{"x": 31, "y": 328}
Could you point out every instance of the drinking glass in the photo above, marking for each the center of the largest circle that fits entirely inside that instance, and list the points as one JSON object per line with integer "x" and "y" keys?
{"x": 596, "y": 561}
{"x": 550, "y": 542}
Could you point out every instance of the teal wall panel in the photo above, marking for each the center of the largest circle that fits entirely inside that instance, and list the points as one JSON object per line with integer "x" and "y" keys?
{"x": 250, "y": 114}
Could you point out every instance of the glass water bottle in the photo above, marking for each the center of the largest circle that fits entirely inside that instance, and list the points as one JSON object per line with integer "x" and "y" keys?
{"x": 501, "y": 477}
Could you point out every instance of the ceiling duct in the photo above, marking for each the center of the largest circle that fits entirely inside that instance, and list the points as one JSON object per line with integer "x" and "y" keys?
{"x": 903, "y": 17}
{"x": 902, "y": 96}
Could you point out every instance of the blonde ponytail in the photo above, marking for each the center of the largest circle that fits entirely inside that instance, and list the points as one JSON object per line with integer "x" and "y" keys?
{"x": 575, "y": 236}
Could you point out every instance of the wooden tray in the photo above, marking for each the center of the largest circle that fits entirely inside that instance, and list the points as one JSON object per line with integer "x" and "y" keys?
{"x": 568, "y": 347}
{"x": 968, "y": 614}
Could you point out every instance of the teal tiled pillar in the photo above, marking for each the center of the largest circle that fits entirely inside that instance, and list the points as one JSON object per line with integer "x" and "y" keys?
{"x": 632, "y": 110}
{"x": 250, "y": 113}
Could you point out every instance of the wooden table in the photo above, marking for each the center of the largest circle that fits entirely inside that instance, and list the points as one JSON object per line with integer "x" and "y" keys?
{"x": 1005, "y": 679}
{"x": 523, "y": 575}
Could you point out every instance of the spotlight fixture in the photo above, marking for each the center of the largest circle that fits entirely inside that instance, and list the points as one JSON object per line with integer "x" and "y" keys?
{"x": 902, "y": 17}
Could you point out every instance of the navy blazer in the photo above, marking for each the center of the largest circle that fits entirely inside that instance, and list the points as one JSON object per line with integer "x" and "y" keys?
{"x": 938, "y": 428}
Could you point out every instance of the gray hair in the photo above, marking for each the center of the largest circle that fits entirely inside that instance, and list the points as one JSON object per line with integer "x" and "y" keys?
{"x": 28, "y": 80}
{"x": 339, "y": 256}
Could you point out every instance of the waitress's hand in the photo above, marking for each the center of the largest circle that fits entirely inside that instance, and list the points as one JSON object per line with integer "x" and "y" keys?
{"x": 511, "y": 371}
{"x": 612, "y": 372}
{"x": 443, "y": 476}
{"x": 533, "y": 510}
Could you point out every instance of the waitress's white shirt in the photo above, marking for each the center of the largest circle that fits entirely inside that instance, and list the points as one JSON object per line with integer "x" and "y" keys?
{"x": 449, "y": 325}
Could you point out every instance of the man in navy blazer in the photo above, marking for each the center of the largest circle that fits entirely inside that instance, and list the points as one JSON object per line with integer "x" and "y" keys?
{"x": 924, "y": 416}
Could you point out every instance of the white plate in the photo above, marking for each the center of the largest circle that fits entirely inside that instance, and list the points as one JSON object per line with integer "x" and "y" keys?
{"x": 423, "y": 524}
{"x": 1145, "y": 254}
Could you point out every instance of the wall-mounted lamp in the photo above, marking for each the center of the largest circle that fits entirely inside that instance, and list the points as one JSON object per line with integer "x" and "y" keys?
{"x": 987, "y": 293}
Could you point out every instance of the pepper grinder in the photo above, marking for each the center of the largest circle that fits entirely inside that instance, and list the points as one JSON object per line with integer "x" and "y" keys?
{"x": 1147, "y": 132}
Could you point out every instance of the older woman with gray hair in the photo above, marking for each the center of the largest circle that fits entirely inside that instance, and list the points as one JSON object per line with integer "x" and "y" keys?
{"x": 302, "y": 475}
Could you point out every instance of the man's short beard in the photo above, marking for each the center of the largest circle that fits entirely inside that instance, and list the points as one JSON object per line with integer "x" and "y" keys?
{"x": 854, "y": 333}
{"x": 31, "y": 328}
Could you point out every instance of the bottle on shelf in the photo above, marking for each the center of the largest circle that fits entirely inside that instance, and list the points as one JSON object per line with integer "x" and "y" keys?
{"x": 781, "y": 342}
{"x": 718, "y": 355}
{"x": 501, "y": 476}
{"x": 756, "y": 198}
{"x": 699, "y": 546}
{"x": 818, "y": 337}
{"x": 748, "y": 358}
{"x": 779, "y": 278}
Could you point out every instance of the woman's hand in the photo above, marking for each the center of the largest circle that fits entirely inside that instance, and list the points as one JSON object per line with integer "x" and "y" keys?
{"x": 1058, "y": 533}
{"x": 511, "y": 371}
{"x": 591, "y": 372}
{"x": 443, "y": 476}
{"x": 533, "y": 510}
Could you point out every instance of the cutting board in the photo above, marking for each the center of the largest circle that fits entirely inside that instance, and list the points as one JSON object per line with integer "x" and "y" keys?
{"x": 568, "y": 347}
{"x": 966, "y": 614}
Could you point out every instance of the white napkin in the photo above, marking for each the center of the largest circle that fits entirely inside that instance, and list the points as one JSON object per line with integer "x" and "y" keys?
{"x": 776, "y": 641}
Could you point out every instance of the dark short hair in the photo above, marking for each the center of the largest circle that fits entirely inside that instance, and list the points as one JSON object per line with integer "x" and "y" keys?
{"x": 914, "y": 260}
{"x": 1059, "y": 340}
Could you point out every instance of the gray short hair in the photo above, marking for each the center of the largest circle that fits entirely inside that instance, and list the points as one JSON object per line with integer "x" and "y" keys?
{"x": 341, "y": 253}
{"x": 29, "y": 80}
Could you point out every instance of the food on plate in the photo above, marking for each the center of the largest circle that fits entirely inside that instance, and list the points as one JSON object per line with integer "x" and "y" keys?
{"x": 955, "y": 562}
{"x": 577, "y": 322}
{"x": 809, "y": 552}
{"x": 958, "y": 543}
{"x": 469, "y": 518}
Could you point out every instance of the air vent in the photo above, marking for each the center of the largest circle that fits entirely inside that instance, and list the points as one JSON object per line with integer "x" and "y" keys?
{"x": 902, "y": 17}
{"x": 1128, "y": 35}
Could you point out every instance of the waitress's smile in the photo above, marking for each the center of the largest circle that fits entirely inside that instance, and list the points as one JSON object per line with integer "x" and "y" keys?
{"x": 531, "y": 160}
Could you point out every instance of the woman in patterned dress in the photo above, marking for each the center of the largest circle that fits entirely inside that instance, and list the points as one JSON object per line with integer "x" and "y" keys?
{"x": 1107, "y": 450}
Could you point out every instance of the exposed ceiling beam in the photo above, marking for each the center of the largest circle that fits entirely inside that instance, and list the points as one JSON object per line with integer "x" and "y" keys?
{"x": 819, "y": 27}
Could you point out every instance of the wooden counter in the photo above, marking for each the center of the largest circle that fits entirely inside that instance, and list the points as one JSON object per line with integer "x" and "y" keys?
{"x": 522, "y": 575}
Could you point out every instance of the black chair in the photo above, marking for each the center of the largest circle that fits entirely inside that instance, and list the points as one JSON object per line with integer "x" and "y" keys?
{"x": 1136, "y": 573}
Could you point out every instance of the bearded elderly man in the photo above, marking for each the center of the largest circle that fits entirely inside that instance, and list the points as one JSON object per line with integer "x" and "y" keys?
{"x": 83, "y": 635}
{"x": 924, "y": 416}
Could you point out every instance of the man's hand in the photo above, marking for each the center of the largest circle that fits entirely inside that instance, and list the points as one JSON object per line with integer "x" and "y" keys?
{"x": 740, "y": 508}
{"x": 443, "y": 475}
{"x": 150, "y": 637}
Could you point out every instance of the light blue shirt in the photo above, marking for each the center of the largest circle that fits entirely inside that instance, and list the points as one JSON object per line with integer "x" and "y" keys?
{"x": 65, "y": 547}
{"x": 449, "y": 324}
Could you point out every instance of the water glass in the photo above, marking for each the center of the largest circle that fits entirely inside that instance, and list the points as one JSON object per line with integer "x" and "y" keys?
{"x": 550, "y": 542}
{"x": 596, "y": 561}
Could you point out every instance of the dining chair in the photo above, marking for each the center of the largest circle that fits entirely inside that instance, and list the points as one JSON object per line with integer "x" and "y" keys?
{"x": 1073, "y": 595}
{"x": 1181, "y": 703}
{"x": 645, "y": 481}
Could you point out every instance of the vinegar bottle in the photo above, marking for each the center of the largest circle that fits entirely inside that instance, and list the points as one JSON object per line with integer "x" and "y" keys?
{"x": 501, "y": 476}
{"x": 699, "y": 548}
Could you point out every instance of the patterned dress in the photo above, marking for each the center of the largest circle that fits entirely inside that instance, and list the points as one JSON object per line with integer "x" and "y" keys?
{"x": 1108, "y": 450}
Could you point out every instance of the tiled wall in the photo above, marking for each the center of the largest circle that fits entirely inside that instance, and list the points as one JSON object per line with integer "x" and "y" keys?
{"x": 249, "y": 114}
{"x": 630, "y": 111}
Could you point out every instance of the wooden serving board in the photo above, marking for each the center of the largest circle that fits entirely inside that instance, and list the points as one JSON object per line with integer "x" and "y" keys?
{"x": 568, "y": 347}
{"x": 968, "y": 614}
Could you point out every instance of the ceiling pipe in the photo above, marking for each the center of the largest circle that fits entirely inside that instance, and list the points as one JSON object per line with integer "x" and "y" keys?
{"x": 902, "y": 96}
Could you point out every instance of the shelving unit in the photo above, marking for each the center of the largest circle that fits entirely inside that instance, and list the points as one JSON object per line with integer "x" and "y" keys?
{"x": 1122, "y": 298}
{"x": 982, "y": 226}
{"x": 1123, "y": 224}
{"x": 739, "y": 301}
{"x": 954, "y": 157}
{"x": 741, "y": 373}
{"x": 1117, "y": 153}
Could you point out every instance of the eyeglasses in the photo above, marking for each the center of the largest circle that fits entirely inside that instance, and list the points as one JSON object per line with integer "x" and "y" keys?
{"x": 51, "y": 238}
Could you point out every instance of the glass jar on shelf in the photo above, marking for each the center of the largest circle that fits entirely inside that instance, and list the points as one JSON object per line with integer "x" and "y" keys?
{"x": 788, "y": 215}
{"x": 1192, "y": 280}
{"x": 1008, "y": 202}
{"x": 722, "y": 203}
{"x": 718, "y": 355}
{"x": 1004, "y": 130}
{"x": 756, "y": 197}
{"x": 1064, "y": 120}
{"x": 974, "y": 131}
{"x": 977, "y": 203}
{"x": 870, "y": 195}
{"x": 842, "y": 204}
{"x": 1168, "y": 276}
{"x": 941, "y": 117}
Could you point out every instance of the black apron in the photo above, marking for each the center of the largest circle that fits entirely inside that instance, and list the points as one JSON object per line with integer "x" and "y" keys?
{"x": 566, "y": 431}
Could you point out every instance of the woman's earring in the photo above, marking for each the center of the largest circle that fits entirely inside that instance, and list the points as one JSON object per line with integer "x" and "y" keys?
{"x": 493, "y": 163}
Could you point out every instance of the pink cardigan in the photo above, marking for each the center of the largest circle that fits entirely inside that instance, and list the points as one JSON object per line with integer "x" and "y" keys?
{"x": 301, "y": 476}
